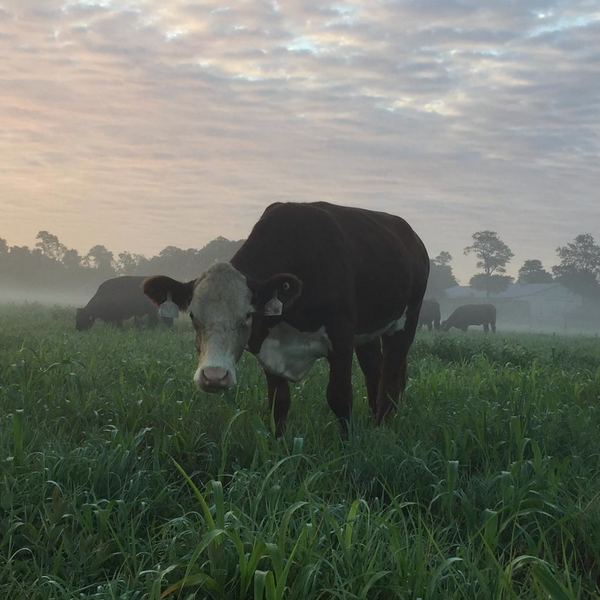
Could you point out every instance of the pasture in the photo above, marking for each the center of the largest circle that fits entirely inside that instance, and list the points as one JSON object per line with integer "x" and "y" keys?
{"x": 119, "y": 480}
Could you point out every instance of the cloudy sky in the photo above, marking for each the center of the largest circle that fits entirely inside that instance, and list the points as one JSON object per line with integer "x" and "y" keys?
{"x": 141, "y": 124}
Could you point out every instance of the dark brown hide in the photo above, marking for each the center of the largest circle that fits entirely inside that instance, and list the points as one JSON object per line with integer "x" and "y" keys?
{"x": 116, "y": 300}
{"x": 355, "y": 272}
{"x": 430, "y": 315}
{"x": 472, "y": 314}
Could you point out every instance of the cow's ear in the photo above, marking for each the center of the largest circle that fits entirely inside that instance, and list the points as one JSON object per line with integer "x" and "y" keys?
{"x": 159, "y": 287}
{"x": 278, "y": 293}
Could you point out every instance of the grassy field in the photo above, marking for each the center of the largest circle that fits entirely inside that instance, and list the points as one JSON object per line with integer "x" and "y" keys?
{"x": 120, "y": 480}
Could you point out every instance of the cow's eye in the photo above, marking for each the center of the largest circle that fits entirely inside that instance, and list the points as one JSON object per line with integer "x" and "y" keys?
{"x": 248, "y": 315}
{"x": 192, "y": 316}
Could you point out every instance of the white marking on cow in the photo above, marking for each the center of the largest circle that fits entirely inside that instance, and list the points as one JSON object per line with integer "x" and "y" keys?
{"x": 221, "y": 304}
{"x": 389, "y": 329}
{"x": 290, "y": 353}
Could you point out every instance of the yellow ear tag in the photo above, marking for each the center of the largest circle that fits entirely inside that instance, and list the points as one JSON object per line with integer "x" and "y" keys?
{"x": 168, "y": 308}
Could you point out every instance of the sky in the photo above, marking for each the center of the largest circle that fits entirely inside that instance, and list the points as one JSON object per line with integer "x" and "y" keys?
{"x": 143, "y": 124}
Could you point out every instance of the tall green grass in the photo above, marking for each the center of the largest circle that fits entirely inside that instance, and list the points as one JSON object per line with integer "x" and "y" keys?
{"x": 119, "y": 480}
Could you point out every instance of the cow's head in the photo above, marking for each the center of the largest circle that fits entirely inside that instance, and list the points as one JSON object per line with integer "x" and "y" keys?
{"x": 222, "y": 304}
{"x": 83, "y": 319}
{"x": 444, "y": 326}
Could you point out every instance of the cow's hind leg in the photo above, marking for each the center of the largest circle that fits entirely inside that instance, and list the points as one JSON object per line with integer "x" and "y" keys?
{"x": 393, "y": 372}
{"x": 486, "y": 327}
{"x": 279, "y": 401}
{"x": 370, "y": 360}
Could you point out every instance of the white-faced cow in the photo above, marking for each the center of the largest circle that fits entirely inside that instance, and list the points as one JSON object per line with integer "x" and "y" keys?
{"x": 430, "y": 315}
{"x": 116, "y": 300}
{"x": 312, "y": 280}
{"x": 472, "y": 314}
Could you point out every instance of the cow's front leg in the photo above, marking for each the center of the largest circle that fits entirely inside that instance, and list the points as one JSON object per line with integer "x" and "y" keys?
{"x": 339, "y": 389}
{"x": 279, "y": 401}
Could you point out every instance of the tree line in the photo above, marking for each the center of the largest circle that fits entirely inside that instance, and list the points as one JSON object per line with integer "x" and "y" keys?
{"x": 50, "y": 265}
{"x": 578, "y": 269}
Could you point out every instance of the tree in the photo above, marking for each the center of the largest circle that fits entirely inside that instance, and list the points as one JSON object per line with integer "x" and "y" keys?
{"x": 71, "y": 259}
{"x": 579, "y": 269}
{"x": 493, "y": 255}
{"x": 131, "y": 264}
{"x": 102, "y": 259}
{"x": 49, "y": 245}
{"x": 441, "y": 276}
{"x": 443, "y": 259}
{"x": 188, "y": 264}
{"x": 492, "y": 284}
{"x": 532, "y": 271}
{"x": 3, "y": 246}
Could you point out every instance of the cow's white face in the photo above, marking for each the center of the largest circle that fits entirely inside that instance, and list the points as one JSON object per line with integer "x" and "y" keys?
{"x": 221, "y": 303}
{"x": 221, "y": 312}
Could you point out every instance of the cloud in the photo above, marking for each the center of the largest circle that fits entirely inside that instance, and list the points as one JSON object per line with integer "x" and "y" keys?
{"x": 143, "y": 124}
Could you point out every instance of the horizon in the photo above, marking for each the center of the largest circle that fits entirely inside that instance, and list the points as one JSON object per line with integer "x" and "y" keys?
{"x": 461, "y": 282}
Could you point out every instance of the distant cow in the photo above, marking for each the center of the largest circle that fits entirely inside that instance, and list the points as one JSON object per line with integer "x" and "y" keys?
{"x": 312, "y": 280}
{"x": 430, "y": 315}
{"x": 472, "y": 314}
{"x": 116, "y": 300}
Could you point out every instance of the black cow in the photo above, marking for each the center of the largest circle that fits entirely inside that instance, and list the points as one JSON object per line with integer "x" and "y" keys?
{"x": 472, "y": 314}
{"x": 312, "y": 280}
{"x": 116, "y": 300}
{"x": 430, "y": 315}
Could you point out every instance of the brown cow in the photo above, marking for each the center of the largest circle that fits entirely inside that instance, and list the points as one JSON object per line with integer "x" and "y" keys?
{"x": 116, "y": 300}
{"x": 472, "y": 314}
{"x": 430, "y": 315}
{"x": 312, "y": 280}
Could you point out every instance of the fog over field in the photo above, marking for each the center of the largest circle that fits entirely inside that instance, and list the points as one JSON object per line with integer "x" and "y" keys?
{"x": 66, "y": 298}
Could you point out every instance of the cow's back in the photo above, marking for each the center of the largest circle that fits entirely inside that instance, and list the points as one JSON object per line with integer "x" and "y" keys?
{"x": 367, "y": 264}
{"x": 120, "y": 298}
{"x": 473, "y": 314}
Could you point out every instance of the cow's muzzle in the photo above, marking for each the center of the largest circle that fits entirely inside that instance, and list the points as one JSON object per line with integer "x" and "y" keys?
{"x": 214, "y": 379}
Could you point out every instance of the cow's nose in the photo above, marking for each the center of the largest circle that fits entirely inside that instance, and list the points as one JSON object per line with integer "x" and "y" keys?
{"x": 215, "y": 377}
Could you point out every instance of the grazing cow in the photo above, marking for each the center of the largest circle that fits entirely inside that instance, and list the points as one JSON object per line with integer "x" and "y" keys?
{"x": 430, "y": 315}
{"x": 312, "y": 280}
{"x": 472, "y": 314}
{"x": 116, "y": 300}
